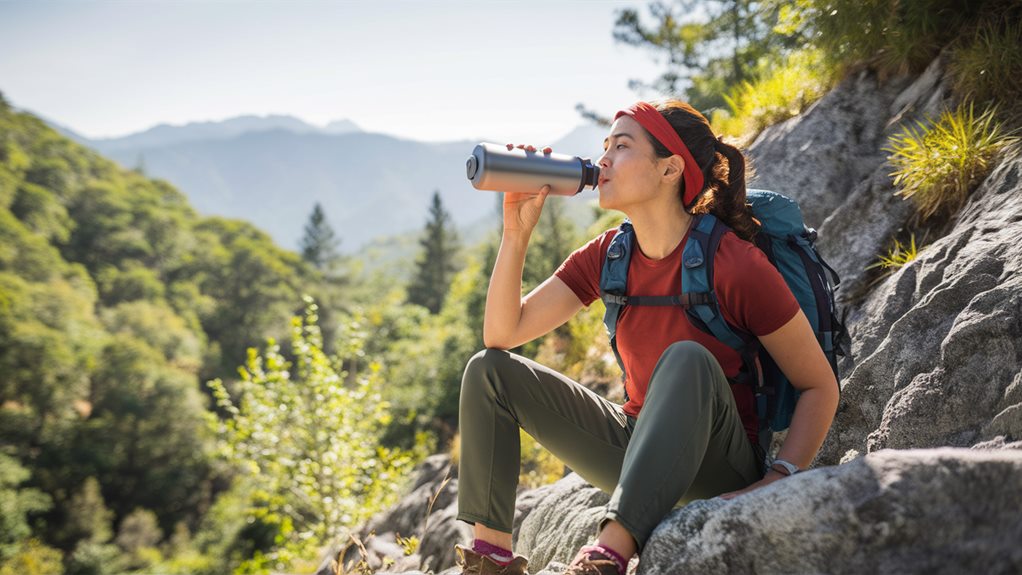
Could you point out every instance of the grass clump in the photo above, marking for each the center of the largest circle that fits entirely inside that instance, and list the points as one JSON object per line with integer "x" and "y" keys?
{"x": 987, "y": 67}
{"x": 898, "y": 256}
{"x": 939, "y": 165}
{"x": 780, "y": 93}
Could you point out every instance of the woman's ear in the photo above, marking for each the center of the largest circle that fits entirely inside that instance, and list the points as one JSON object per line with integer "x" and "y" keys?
{"x": 673, "y": 167}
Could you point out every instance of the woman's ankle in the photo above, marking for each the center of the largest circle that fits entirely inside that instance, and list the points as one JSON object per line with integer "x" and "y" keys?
{"x": 492, "y": 536}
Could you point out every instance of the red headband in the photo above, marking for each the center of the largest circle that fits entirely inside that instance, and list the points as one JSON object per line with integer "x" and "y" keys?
{"x": 648, "y": 117}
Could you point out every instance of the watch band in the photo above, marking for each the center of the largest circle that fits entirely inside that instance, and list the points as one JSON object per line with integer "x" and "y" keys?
{"x": 788, "y": 466}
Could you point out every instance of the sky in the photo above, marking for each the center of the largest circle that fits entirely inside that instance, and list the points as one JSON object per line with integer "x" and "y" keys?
{"x": 428, "y": 70}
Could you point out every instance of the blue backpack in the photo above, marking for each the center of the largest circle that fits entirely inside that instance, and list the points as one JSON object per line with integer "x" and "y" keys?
{"x": 788, "y": 244}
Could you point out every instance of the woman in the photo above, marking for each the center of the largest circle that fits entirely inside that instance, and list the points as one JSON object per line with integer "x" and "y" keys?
{"x": 685, "y": 433}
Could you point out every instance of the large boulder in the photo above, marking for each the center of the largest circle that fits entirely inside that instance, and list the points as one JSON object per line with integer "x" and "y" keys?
{"x": 916, "y": 511}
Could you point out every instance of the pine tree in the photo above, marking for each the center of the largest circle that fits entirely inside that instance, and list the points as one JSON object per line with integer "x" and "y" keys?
{"x": 436, "y": 264}
{"x": 319, "y": 245}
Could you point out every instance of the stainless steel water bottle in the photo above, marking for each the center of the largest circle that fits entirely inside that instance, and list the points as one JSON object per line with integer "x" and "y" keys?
{"x": 494, "y": 167}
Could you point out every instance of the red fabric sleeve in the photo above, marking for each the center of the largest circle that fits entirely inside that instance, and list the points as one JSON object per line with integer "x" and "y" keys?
{"x": 751, "y": 292}
{"x": 581, "y": 271}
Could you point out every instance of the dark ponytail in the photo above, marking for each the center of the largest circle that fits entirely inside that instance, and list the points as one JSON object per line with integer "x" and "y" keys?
{"x": 723, "y": 167}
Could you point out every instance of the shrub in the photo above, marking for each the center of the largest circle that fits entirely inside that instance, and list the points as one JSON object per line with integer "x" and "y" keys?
{"x": 33, "y": 558}
{"x": 779, "y": 93}
{"x": 307, "y": 435}
{"x": 893, "y": 36}
{"x": 939, "y": 165}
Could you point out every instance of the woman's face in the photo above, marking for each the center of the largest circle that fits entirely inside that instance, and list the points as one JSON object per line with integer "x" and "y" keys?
{"x": 628, "y": 167}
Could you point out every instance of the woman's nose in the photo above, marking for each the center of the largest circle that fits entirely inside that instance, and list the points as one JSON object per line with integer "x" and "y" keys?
{"x": 603, "y": 162}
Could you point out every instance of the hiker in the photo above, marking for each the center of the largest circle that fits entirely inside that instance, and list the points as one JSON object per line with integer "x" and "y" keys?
{"x": 685, "y": 431}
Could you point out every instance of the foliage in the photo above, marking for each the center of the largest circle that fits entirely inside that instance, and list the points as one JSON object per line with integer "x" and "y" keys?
{"x": 115, "y": 298}
{"x": 16, "y": 504}
{"x": 307, "y": 435}
{"x": 437, "y": 262}
{"x": 707, "y": 57}
{"x": 408, "y": 544}
{"x": 554, "y": 238}
{"x": 939, "y": 165}
{"x": 779, "y": 92}
{"x": 138, "y": 537}
{"x": 32, "y": 558}
{"x": 893, "y": 36}
{"x": 88, "y": 519}
{"x": 987, "y": 65}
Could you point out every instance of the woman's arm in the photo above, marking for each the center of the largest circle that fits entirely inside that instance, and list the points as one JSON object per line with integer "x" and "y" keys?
{"x": 511, "y": 320}
{"x": 795, "y": 350}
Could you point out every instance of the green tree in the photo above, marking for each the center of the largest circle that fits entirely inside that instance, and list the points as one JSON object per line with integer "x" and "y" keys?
{"x": 319, "y": 244}
{"x": 88, "y": 519}
{"x": 16, "y": 503}
{"x": 145, "y": 439}
{"x": 437, "y": 262}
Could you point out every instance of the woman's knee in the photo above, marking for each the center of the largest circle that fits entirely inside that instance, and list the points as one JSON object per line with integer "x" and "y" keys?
{"x": 483, "y": 367}
{"x": 690, "y": 360}
{"x": 688, "y": 352}
{"x": 485, "y": 362}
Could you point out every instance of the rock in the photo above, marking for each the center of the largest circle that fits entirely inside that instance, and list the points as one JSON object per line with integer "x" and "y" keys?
{"x": 821, "y": 155}
{"x": 920, "y": 511}
{"x": 564, "y": 519}
{"x": 938, "y": 345}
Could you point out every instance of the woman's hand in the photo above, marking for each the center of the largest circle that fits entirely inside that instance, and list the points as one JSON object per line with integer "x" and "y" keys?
{"x": 522, "y": 211}
{"x": 769, "y": 478}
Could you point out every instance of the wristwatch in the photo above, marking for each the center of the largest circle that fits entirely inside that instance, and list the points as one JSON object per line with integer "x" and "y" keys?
{"x": 788, "y": 467}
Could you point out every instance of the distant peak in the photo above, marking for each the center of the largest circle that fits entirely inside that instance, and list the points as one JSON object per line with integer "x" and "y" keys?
{"x": 341, "y": 127}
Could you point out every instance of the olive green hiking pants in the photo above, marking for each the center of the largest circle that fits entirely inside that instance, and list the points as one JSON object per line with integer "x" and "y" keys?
{"x": 687, "y": 443}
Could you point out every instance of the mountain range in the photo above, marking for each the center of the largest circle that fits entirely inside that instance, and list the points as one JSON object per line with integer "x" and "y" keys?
{"x": 271, "y": 170}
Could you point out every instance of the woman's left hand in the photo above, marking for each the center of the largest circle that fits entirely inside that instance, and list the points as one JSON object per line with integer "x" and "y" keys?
{"x": 769, "y": 478}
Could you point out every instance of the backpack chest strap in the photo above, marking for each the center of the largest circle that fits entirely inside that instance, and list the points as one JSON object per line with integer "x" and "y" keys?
{"x": 684, "y": 300}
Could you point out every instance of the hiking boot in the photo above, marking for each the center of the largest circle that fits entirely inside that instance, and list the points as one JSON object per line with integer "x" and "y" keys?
{"x": 472, "y": 562}
{"x": 591, "y": 562}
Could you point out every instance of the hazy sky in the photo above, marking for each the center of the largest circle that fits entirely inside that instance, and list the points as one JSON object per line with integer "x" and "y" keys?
{"x": 428, "y": 70}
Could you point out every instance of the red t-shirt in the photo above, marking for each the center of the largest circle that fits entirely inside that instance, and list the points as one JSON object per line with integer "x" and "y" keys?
{"x": 752, "y": 295}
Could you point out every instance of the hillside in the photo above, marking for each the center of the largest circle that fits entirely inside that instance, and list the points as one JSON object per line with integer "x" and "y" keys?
{"x": 117, "y": 302}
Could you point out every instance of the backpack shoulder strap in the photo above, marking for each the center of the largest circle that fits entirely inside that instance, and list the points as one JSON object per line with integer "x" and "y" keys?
{"x": 697, "y": 278}
{"x": 614, "y": 276}
{"x": 614, "y": 280}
